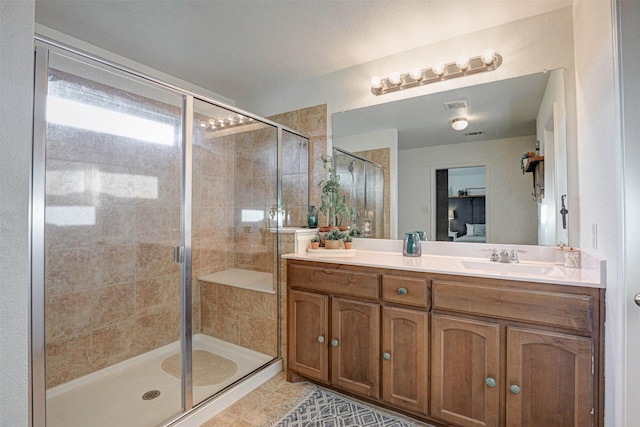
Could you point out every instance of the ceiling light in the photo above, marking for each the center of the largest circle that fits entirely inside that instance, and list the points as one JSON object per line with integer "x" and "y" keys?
{"x": 394, "y": 78}
{"x": 438, "y": 68}
{"x": 462, "y": 62}
{"x": 488, "y": 61}
{"x": 460, "y": 123}
{"x": 415, "y": 73}
{"x": 488, "y": 56}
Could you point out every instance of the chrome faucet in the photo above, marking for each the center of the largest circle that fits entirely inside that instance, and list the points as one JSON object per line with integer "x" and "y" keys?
{"x": 504, "y": 256}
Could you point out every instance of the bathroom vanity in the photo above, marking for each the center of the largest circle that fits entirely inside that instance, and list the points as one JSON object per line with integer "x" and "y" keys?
{"x": 452, "y": 341}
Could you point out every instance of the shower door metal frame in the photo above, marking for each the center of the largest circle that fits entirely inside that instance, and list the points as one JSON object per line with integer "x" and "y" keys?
{"x": 37, "y": 383}
{"x": 38, "y": 206}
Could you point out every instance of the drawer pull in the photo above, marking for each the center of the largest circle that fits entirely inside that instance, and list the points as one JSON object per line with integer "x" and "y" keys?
{"x": 402, "y": 291}
{"x": 334, "y": 343}
{"x": 320, "y": 339}
{"x": 514, "y": 389}
{"x": 490, "y": 382}
{"x": 386, "y": 356}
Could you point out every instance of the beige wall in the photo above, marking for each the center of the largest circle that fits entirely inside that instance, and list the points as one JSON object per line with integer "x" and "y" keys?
{"x": 16, "y": 87}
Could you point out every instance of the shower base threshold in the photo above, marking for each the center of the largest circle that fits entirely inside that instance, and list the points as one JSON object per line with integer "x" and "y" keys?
{"x": 114, "y": 396}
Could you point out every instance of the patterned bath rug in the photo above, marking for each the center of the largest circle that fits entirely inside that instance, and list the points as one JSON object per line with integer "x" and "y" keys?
{"x": 207, "y": 368}
{"x": 327, "y": 409}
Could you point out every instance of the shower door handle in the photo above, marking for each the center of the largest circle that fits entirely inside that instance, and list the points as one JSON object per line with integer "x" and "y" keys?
{"x": 178, "y": 254}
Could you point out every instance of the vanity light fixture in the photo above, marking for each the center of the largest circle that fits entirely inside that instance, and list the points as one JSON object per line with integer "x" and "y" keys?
{"x": 228, "y": 122}
{"x": 460, "y": 123}
{"x": 488, "y": 60}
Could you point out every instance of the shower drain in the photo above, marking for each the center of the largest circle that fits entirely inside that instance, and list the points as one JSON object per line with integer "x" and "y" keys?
{"x": 151, "y": 394}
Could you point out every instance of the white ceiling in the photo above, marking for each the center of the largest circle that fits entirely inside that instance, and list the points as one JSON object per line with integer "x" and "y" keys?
{"x": 238, "y": 48}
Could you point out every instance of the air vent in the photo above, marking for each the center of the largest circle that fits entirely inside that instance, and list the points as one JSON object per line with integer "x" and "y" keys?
{"x": 480, "y": 132}
{"x": 455, "y": 105}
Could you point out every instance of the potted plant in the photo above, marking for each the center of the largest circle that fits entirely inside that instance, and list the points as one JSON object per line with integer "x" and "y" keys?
{"x": 333, "y": 238}
{"x": 315, "y": 242}
{"x": 334, "y": 205}
{"x": 355, "y": 232}
{"x": 348, "y": 241}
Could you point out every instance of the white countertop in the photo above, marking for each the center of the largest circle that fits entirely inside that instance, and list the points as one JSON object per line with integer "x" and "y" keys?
{"x": 531, "y": 271}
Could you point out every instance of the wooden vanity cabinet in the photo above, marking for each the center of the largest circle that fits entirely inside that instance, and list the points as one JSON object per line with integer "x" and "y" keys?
{"x": 355, "y": 346}
{"x": 530, "y": 360}
{"x": 451, "y": 350}
{"x": 405, "y": 343}
{"x": 308, "y": 333}
{"x": 465, "y": 371}
{"x": 374, "y": 350}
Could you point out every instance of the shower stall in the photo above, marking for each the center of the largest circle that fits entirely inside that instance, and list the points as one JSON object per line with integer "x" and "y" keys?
{"x": 363, "y": 183}
{"x": 156, "y": 276}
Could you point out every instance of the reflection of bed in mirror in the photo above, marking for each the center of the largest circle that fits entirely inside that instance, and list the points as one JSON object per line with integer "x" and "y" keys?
{"x": 474, "y": 233}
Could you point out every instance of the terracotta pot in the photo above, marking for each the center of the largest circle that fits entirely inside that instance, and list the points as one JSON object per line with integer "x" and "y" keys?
{"x": 332, "y": 244}
{"x": 315, "y": 245}
{"x": 343, "y": 227}
{"x": 348, "y": 245}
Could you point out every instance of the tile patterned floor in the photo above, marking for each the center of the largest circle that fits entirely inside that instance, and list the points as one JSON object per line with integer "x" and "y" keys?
{"x": 266, "y": 405}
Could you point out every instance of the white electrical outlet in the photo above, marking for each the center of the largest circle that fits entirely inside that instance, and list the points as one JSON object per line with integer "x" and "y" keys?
{"x": 425, "y": 210}
{"x": 594, "y": 235}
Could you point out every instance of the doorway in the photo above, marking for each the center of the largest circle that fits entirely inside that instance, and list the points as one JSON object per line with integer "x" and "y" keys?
{"x": 461, "y": 204}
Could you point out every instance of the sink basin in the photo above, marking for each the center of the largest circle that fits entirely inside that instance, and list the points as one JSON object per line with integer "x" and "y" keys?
{"x": 513, "y": 269}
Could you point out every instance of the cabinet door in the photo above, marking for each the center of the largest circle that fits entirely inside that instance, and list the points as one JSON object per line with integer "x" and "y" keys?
{"x": 404, "y": 364}
{"x": 355, "y": 347}
{"x": 465, "y": 371}
{"x": 549, "y": 379}
{"x": 308, "y": 340}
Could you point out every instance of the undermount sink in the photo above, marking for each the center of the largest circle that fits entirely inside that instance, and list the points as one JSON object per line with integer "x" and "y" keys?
{"x": 518, "y": 268}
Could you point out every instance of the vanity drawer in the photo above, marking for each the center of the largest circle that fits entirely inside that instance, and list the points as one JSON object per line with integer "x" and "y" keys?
{"x": 572, "y": 311}
{"x": 331, "y": 280}
{"x": 405, "y": 290}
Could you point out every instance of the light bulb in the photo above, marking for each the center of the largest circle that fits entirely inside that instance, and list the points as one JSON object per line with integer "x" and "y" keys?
{"x": 459, "y": 123}
{"x": 376, "y": 83}
{"x": 438, "y": 69}
{"x": 415, "y": 74}
{"x": 462, "y": 62}
{"x": 487, "y": 56}
{"x": 394, "y": 78}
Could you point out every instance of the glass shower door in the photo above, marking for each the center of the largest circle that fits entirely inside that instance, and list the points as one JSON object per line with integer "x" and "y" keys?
{"x": 112, "y": 216}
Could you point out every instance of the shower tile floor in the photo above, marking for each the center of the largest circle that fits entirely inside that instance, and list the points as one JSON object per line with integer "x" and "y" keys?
{"x": 113, "y": 396}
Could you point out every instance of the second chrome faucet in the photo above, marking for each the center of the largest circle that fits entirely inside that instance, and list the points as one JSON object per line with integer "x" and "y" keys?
{"x": 504, "y": 256}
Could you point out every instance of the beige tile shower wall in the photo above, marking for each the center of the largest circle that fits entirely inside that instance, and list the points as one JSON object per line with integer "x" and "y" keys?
{"x": 382, "y": 157}
{"x": 212, "y": 210}
{"x": 240, "y": 316}
{"x": 311, "y": 122}
{"x": 255, "y": 190}
{"x": 113, "y": 217}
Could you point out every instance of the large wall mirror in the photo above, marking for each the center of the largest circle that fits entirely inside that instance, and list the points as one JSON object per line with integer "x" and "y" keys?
{"x": 509, "y": 119}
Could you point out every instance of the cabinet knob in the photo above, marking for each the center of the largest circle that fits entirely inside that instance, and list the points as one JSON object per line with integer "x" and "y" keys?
{"x": 490, "y": 382}
{"x": 386, "y": 356}
{"x": 334, "y": 343}
{"x": 514, "y": 389}
{"x": 636, "y": 298}
{"x": 402, "y": 291}
{"x": 320, "y": 339}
